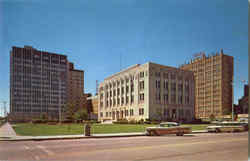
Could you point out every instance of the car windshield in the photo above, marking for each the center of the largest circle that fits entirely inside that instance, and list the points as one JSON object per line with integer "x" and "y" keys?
{"x": 168, "y": 124}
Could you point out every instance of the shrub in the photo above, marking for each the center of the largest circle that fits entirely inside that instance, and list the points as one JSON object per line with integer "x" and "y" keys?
{"x": 122, "y": 121}
{"x": 37, "y": 121}
{"x": 66, "y": 121}
{"x": 141, "y": 121}
{"x": 132, "y": 121}
{"x": 147, "y": 122}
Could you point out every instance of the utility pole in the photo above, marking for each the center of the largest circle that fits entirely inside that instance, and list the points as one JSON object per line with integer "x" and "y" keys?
{"x": 96, "y": 92}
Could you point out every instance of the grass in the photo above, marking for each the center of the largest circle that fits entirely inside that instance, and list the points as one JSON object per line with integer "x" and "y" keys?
{"x": 27, "y": 129}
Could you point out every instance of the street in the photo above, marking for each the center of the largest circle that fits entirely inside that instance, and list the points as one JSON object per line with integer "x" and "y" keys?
{"x": 196, "y": 147}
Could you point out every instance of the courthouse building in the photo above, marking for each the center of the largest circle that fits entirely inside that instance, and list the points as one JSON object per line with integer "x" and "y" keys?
{"x": 147, "y": 91}
{"x": 213, "y": 84}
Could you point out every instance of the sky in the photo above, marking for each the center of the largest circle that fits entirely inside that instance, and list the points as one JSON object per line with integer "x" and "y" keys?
{"x": 101, "y": 37}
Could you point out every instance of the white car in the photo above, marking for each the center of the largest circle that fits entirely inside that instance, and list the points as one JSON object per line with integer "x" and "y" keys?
{"x": 227, "y": 127}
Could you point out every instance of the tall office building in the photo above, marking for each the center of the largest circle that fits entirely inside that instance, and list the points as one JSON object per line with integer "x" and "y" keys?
{"x": 38, "y": 83}
{"x": 147, "y": 91}
{"x": 213, "y": 84}
{"x": 76, "y": 87}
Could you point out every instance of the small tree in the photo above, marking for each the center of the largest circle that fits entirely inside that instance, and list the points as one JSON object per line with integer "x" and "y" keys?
{"x": 81, "y": 114}
{"x": 212, "y": 117}
{"x": 44, "y": 117}
{"x": 70, "y": 110}
{"x": 159, "y": 114}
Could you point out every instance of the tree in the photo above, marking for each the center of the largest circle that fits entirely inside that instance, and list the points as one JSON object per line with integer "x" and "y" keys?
{"x": 81, "y": 114}
{"x": 70, "y": 110}
{"x": 227, "y": 111}
{"x": 44, "y": 117}
{"x": 159, "y": 114}
{"x": 212, "y": 117}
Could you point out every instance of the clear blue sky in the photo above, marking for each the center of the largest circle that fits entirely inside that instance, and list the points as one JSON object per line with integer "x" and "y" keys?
{"x": 94, "y": 33}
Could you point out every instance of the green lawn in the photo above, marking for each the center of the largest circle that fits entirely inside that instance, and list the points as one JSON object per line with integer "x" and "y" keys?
{"x": 27, "y": 129}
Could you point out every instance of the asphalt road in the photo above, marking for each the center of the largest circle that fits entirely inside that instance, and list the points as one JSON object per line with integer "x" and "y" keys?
{"x": 198, "y": 147}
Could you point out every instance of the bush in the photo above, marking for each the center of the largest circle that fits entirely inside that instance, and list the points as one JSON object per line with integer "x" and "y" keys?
{"x": 66, "y": 121}
{"x": 94, "y": 121}
{"x": 132, "y": 121}
{"x": 147, "y": 122}
{"x": 122, "y": 121}
{"x": 141, "y": 121}
{"x": 38, "y": 121}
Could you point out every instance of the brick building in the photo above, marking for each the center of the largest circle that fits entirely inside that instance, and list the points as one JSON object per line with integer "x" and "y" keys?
{"x": 213, "y": 84}
{"x": 76, "y": 87}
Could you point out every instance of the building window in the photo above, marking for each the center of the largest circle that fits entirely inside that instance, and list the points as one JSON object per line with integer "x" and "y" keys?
{"x": 131, "y": 111}
{"x": 141, "y": 74}
{"x": 158, "y": 96}
{"x": 173, "y": 87}
{"x": 132, "y": 99}
{"x": 126, "y": 99}
{"x": 122, "y": 100}
{"x": 141, "y": 85}
{"x": 173, "y": 99}
{"x": 158, "y": 74}
{"x": 132, "y": 87}
{"x": 142, "y": 97}
{"x": 158, "y": 84}
{"x": 127, "y": 89}
{"x": 141, "y": 111}
{"x": 118, "y": 101}
{"x": 173, "y": 76}
{"x": 166, "y": 84}
{"x": 180, "y": 99}
{"x": 126, "y": 112}
{"x": 122, "y": 90}
{"x": 101, "y": 114}
{"x": 166, "y": 98}
{"x": 118, "y": 91}
{"x": 165, "y": 75}
{"x": 106, "y": 114}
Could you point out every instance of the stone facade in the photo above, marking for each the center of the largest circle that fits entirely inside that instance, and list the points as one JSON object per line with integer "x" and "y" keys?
{"x": 148, "y": 91}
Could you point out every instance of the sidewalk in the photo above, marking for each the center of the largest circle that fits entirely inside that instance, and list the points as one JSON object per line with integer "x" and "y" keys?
{"x": 6, "y": 131}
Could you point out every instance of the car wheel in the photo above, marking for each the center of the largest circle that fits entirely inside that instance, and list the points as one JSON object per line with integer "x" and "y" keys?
{"x": 217, "y": 130}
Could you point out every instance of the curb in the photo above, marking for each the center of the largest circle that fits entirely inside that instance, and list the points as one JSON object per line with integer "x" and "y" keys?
{"x": 80, "y": 137}
{"x": 65, "y": 138}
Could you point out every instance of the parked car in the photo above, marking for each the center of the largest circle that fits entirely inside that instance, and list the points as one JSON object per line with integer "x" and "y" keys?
{"x": 228, "y": 127}
{"x": 168, "y": 128}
